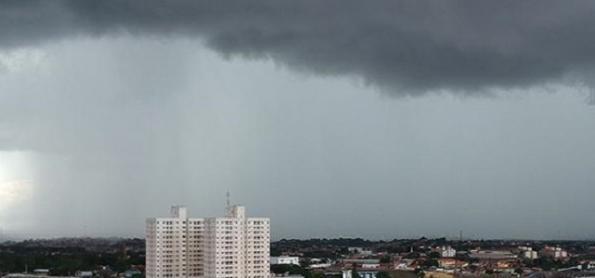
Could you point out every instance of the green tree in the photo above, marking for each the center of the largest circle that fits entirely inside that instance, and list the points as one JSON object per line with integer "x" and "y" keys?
{"x": 287, "y": 268}
{"x": 317, "y": 275}
{"x": 434, "y": 255}
{"x": 412, "y": 255}
{"x": 382, "y": 274}
{"x": 386, "y": 259}
{"x": 430, "y": 262}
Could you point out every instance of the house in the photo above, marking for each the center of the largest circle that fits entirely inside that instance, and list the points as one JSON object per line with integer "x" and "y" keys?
{"x": 450, "y": 263}
{"x": 285, "y": 260}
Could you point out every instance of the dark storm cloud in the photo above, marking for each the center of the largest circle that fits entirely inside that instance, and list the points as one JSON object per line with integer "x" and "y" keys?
{"x": 417, "y": 45}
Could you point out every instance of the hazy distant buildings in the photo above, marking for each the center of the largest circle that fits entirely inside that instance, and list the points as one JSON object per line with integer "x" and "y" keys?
{"x": 492, "y": 255}
{"x": 233, "y": 246}
{"x": 446, "y": 251}
{"x": 451, "y": 263}
{"x": 495, "y": 259}
{"x": 361, "y": 263}
{"x": 556, "y": 253}
{"x": 528, "y": 253}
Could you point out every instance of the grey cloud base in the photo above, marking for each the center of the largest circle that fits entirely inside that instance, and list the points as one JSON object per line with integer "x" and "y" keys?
{"x": 402, "y": 47}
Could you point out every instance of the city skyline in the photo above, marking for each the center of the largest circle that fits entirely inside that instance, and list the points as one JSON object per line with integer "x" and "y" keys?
{"x": 389, "y": 119}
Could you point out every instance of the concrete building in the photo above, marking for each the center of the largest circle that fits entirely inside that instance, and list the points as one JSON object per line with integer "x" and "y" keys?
{"x": 285, "y": 260}
{"x": 496, "y": 259}
{"x": 446, "y": 251}
{"x": 361, "y": 264}
{"x": 493, "y": 255}
{"x": 531, "y": 255}
{"x": 528, "y": 253}
{"x": 348, "y": 273}
{"x": 451, "y": 263}
{"x": 320, "y": 265}
{"x": 554, "y": 252}
{"x": 233, "y": 246}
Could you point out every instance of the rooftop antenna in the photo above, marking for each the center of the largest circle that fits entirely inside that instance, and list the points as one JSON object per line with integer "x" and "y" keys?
{"x": 227, "y": 202}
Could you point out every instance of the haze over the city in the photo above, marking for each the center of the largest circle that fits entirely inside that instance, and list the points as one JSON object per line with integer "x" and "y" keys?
{"x": 374, "y": 119}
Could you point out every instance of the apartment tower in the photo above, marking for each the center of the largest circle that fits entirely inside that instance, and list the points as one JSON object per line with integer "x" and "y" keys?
{"x": 233, "y": 246}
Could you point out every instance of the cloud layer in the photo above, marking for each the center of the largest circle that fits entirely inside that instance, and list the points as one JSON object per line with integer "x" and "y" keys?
{"x": 119, "y": 111}
{"x": 402, "y": 47}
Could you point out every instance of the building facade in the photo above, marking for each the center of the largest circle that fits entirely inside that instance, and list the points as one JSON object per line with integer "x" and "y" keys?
{"x": 446, "y": 251}
{"x": 554, "y": 252}
{"x": 285, "y": 260}
{"x": 233, "y": 246}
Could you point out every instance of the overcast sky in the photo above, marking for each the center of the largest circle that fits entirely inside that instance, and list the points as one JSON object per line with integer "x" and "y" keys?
{"x": 375, "y": 119}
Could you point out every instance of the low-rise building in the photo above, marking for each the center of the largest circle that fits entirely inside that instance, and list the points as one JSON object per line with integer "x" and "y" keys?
{"x": 494, "y": 259}
{"x": 450, "y": 263}
{"x": 528, "y": 253}
{"x": 84, "y": 274}
{"x": 446, "y": 251}
{"x": 556, "y": 253}
{"x": 348, "y": 273}
{"x": 363, "y": 263}
{"x": 285, "y": 275}
{"x": 532, "y": 255}
{"x": 285, "y": 260}
{"x": 494, "y": 255}
{"x": 320, "y": 265}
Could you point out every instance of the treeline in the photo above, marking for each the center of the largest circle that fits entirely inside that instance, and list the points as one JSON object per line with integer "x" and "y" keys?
{"x": 66, "y": 261}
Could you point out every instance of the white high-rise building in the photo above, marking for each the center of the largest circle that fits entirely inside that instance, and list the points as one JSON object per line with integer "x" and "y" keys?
{"x": 233, "y": 246}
